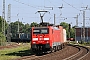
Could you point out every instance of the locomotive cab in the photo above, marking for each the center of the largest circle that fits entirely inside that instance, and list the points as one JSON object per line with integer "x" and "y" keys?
{"x": 40, "y": 39}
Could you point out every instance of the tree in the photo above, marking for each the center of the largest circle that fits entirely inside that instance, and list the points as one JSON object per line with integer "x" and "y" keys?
{"x": 0, "y": 24}
{"x": 33, "y": 24}
{"x": 14, "y": 28}
{"x": 65, "y": 26}
{"x": 68, "y": 29}
{"x": 27, "y": 28}
{"x": 72, "y": 34}
{"x": 1, "y": 19}
{"x": 2, "y": 39}
{"x": 23, "y": 28}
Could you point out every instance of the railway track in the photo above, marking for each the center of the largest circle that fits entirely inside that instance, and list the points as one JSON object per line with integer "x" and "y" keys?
{"x": 28, "y": 57}
{"x": 9, "y": 46}
{"x": 83, "y": 51}
{"x": 64, "y": 54}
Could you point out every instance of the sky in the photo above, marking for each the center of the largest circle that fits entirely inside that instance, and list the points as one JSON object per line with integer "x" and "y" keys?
{"x": 25, "y": 11}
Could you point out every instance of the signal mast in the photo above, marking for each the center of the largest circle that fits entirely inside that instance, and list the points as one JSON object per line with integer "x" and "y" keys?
{"x": 3, "y": 17}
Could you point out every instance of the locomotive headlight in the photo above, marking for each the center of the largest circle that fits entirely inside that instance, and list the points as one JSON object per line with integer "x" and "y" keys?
{"x": 34, "y": 42}
{"x": 46, "y": 38}
{"x": 35, "y": 39}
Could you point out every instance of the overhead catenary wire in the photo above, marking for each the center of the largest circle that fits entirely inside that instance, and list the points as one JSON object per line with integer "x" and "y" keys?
{"x": 55, "y": 7}
{"x": 33, "y": 6}
{"x": 51, "y": 3}
{"x": 25, "y": 4}
{"x": 71, "y": 5}
{"x": 41, "y": 6}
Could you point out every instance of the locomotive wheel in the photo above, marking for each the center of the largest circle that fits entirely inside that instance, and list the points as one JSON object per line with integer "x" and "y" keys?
{"x": 52, "y": 50}
{"x": 58, "y": 48}
{"x": 39, "y": 53}
{"x": 62, "y": 46}
{"x": 55, "y": 49}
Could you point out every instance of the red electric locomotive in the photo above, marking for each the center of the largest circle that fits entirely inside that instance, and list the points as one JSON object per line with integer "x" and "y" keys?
{"x": 50, "y": 38}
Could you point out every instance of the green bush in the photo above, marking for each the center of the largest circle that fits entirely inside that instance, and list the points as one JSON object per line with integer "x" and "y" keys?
{"x": 88, "y": 42}
{"x": 2, "y": 39}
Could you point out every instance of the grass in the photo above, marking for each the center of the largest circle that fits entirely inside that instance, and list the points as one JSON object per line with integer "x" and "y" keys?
{"x": 85, "y": 44}
{"x": 82, "y": 44}
{"x": 23, "y": 50}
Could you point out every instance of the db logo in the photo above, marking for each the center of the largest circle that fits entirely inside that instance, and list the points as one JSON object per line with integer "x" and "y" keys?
{"x": 40, "y": 39}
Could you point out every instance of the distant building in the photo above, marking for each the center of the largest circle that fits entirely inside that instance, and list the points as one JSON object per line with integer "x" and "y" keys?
{"x": 79, "y": 34}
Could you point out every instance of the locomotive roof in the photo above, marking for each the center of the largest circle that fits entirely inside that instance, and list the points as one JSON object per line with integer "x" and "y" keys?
{"x": 55, "y": 28}
{"x": 40, "y": 27}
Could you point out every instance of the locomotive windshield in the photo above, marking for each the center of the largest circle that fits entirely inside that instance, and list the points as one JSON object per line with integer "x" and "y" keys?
{"x": 41, "y": 31}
